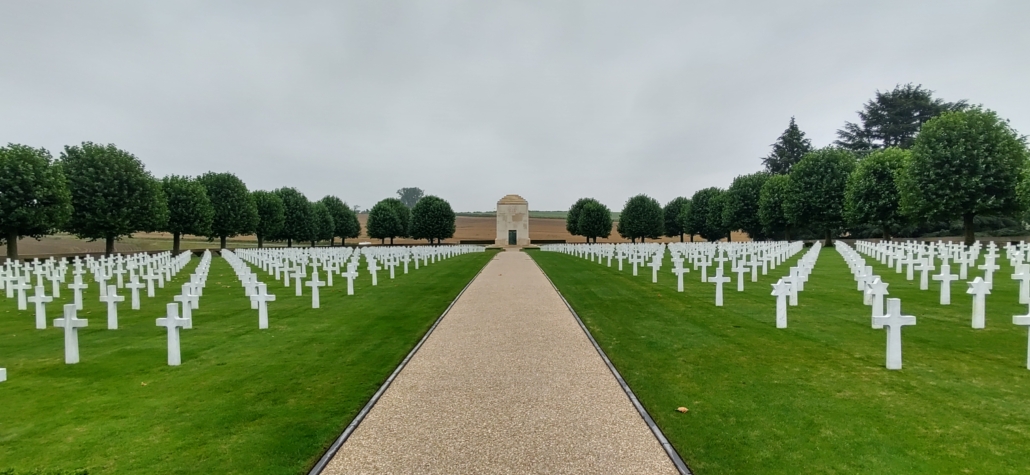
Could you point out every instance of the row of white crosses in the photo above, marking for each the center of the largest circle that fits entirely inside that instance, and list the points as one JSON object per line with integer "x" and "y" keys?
{"x": 786, "y": 288}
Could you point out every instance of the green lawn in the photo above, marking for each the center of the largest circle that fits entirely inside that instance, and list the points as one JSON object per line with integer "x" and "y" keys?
{"x": 815, "y": 397}
{"x": 244, "y": 401}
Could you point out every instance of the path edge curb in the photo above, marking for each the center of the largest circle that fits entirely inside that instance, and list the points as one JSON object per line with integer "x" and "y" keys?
{"x": 670, "y": 451}
{"x": 335, "y": 447}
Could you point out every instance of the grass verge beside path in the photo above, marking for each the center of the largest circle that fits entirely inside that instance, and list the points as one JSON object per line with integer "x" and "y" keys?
{"x": 815, "y": 397}
{"x": 244, "y": 401}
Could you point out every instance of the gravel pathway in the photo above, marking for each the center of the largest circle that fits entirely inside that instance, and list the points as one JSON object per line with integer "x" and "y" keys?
{"x": 507, "y": 383}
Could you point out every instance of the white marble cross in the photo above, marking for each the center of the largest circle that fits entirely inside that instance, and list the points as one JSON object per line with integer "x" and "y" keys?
{"x": 1023, "y": 276}
{"x": 350, "y": 275}
{"x": 187, "y": 308}
{"x": 893, "y": 321}
{"x": 740, "y": 270}
{"x": 989, "y": 267}
{"x": 655, "y": 264}
{"x": 173, "y": 323}
{"x": 111, "y": 299}
{"x": 71, "y": 325}
{"x": 150, "y": 277}
{"x": 77, "y": 287}
{"x": 314, "y": 283}
{"x": 40, "y": 300}
{"x": 704, "y": 269}
{"x": 298, "y": 284}
{"x": 924, "y": 267}
{"x": 781, "y": 290}
{"x": 679, "y": 271}
{"x": 22, "y": 288}
{"x": 373, "y": 267}
{"x": 261, "y": 298}
{"x": 946, "y": 277}
{"x": 135, "y": 285}
{"x": 878, "y": 289}
{"x": 719, "y": 279}
{"x": 1025, "y": 321}
{"x": 979, "y": 289}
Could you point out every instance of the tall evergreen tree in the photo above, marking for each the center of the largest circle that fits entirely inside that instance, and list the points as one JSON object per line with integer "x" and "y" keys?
{"x": 893, "y": 118}
{"x": 788, "y": 150}
{"x": 189, "y": 209}
{"x": 673, "y": 225}
{"x": 34, "y": 196}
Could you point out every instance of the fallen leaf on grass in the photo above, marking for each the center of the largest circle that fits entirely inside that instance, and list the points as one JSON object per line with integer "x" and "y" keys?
{"x": 682, "y": 409}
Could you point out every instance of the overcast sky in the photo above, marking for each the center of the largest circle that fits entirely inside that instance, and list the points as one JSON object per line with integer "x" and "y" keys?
{"x": 470, "y": 101}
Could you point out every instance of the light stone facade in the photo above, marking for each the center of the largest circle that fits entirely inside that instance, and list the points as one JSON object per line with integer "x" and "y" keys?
{"x": 512, "y": 216}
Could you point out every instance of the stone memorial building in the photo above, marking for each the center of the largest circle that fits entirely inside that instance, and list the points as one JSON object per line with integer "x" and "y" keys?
{"x": 512, "y": 221}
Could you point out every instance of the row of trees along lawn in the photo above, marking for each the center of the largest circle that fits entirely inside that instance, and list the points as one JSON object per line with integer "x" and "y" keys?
{"x": 914, "y": 166}
{"x": 431, "y": 218}
{"x": 99, "y": 192}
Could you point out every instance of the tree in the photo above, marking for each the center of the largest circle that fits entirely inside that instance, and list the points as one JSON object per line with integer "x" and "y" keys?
{"x": 740, "y": 209}
{"x": 322, "y": 227}
{"x": 235, "y": 211}
{"x": 296, "y": 216}
{"x": 963, "y": 164}
{"x": 410, "y": 196}
{"x": 271, "y": 215}
{"x": 572, "y": 218}
{"x": 893, "y": 118}
{"x": 383, "y": 222}
{"x": 595, "y": 220}
{"x": 673, "y": 225}
{"x": 684, "y": 219}
{"x": 344, "y": 220}
{"x": 642, "y": 218}
{"x": 403, "y": 214}
{"x": 189, "y": 209}
{"x": 816, "y": 192}
{"x": 432, "y": 219}
{"x": 871, "y": 196}
{"x": 112, "y": 194}
{"x": 770, "y": 206}
{"x": 788, "y": 150}
{"x": 701, "y": 207}
{"x": 34, "y": 197}
{"x": 715, "y": 221}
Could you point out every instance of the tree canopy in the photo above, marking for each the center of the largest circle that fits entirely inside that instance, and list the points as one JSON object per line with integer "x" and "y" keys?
{"x": 112, "y": 194}
{"x": 788, "y": 150}
{"x": 296, "y": 216}
{"x": 964, "y": 164}
{"x": 871, "y": 197}
{"x": 271, "y": 215}
{"x": 572, "y": 217}
{"x": 345, "y": 222}
{"x": 34, "y": 196}
{"x": 642, "y": 218}
{"x": 816, "y": 192}
{"x": 770, "y": 206}
{"x": 673, "y": 226}
{"x": 704, "y": 207}
{"x": 189, "y": 209}
{"x": 740, "y": 206}
{"x": 410, "y": 196}
{"x": 432, "y": 219}
{"x": 322, "y": 227}
{"x": 595, "y": 220}
{"x": 893, "y": 118}
{"x": 403, "y": 214}
{"x": 235, "y": 211}
{"x": 683, "y": 218}
{"x": 383, "y": 222}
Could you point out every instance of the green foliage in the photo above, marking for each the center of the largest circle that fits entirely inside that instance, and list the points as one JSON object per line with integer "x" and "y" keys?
{"x": 740, "y": 210}
{"x": 572, "y": 218}
{"x": 705, "y": 205}
{"x": 271, "y": 215}
{"x": 871, "y": 197}
{"x": 297, "y": 216}
{"x": 112, "y": 194}
{"x": 403, "y": 214}
{"x": 345, "y": 221}
{"x": 189, "y": 209}
{"x": 770, "y": 206}
{"x": 34, "y": 196}
{"x": 788, "y": 150}
{"x": 432, "y": 219}
{"x": 595, "y": 220}
{"x": 963, "y": 164}
{"x": 815, "y": 196}
{"x": 410, "y": 196}
{"x": 683, "y": 218}
{"x": 235, "y": 211}
{"x": 1023, "y": 191}
{"x": 893, "y": 118}
{"x": 383, "y": 221}
{"x": 642, "y": 218}
{"x": 322, "y": 227}
{"x": 673, "y": 209}
{"x": 715, "y": 222}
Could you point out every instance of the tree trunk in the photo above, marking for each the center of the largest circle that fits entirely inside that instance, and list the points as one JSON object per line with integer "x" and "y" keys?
{"x": 391, "y": 240}
{"x": 691, "y": 238}
{"x": 643, "y": 239}
{"x": 829, "y": 241}
{"x": 175, "y": 244}
{"x": 681, "y": 237}
{"x": 109, "y": 246}
{"x": 886, "y": 233}
{"x": 12, "y": 246}
{"x": 332, "y": 241}
{"x": 289, "y": 242}
{"x": 967, "y": 225}
{"x": 261, "y": 241}
{"x": 222, "y": 242}
{"x": 729, "y": 237}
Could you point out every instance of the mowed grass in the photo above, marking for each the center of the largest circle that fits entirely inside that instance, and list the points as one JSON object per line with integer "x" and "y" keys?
{"x": 244, "y": 401}
{"x": 814, "y": 397}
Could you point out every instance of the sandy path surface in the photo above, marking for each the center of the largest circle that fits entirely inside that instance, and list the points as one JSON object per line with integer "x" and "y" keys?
{"x": 507, "y": 383}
